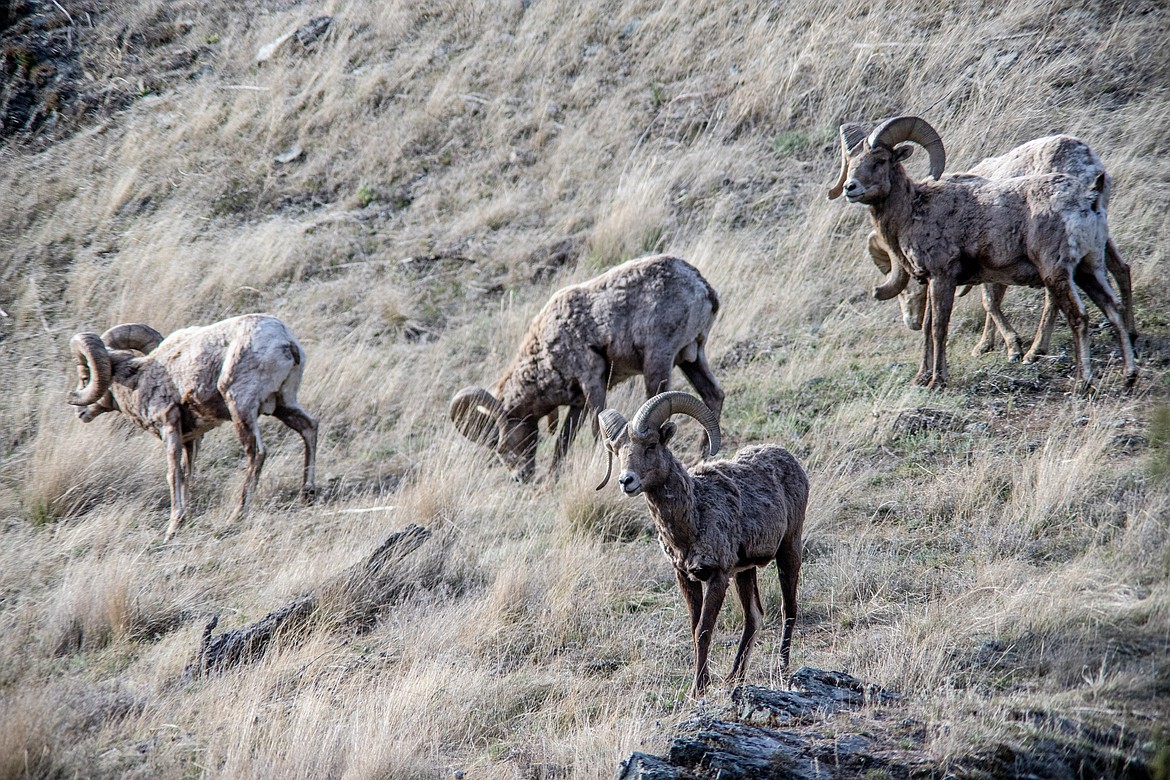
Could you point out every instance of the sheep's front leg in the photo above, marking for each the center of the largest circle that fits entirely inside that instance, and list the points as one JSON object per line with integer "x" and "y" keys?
{"x": 942, "y": 300}
{"x": 748, "y": 589}
{"x": 714, "y": 591}
{"x": 927, "y": 366}
{"x": 1043, "y": 330}
{"x": 566, "y": 435}
{"x": 692, "y": 592}
{"x": 172, "y": 438}
{"x": 996, "y": 321}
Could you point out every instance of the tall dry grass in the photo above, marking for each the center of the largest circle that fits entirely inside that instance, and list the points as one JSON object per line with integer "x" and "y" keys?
{"x": 996, "y": 547}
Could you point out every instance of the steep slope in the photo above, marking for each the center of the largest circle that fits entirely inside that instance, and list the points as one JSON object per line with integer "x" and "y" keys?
{"x": 405, "y": 186}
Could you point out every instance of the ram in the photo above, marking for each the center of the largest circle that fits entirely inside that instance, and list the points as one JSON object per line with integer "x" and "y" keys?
{"x": 1045, "y": 230}
{"x": 1050, "y": 154}
{"x": 717, "y": 521}
{"x": 642, "y": 317}
{"x": 181, "y": 387}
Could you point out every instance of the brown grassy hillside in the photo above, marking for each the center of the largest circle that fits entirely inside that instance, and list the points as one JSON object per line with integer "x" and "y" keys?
{"x": 999, "y": 552}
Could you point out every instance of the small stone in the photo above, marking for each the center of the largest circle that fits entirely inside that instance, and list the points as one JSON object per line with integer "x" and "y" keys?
{"x": 290, "y": 154}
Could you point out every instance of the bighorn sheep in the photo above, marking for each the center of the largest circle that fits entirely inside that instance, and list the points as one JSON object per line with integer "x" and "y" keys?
{"x": 716, "y": 521}
{"x": 1037, "y": 230}
{"x": 1050, "y": 154}
{"x": 642, "y": 317}
{"x": 182, "y": 386}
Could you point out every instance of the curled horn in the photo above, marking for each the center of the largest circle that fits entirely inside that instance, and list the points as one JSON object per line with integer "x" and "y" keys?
{"x": 93, "y": 369}
{"x": 132, "y": 335}
{"x": 917, "y": 130}
{"x": 612, "y": 423}
{"x": 659, "y": 409}
{"x": 852, "y": 134}
{"x": 896, "y": 276}
{"x": 471, "y": 409}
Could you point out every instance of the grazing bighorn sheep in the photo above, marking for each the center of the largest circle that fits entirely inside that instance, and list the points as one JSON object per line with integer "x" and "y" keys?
{"x": 1050, "y": 154}
{"x": 717, "y": 521}
{"x": 642, "y": 317}
{"x": 180, "y": 387}
{"x": 1037, "y": 230}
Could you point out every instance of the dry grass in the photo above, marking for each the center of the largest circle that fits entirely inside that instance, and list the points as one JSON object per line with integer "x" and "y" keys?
{"x": 994, "y": 548}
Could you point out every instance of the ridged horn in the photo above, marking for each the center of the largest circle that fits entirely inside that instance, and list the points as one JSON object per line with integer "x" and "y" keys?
{"x": 132, "y": 335}
{"x": 661, "y": 407}
{"x": 851, "y": 134}
{"x": 896, "y": 276}
{"x": 914, "y": 129}
{"x": 477, "y": 414}
{"x": 612, "y": 423}
{"x": 93, "y": 369}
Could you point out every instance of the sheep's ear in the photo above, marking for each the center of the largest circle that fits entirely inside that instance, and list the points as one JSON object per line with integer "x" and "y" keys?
{"x": 903, "y": 152}
{"x": 666, "y": 432}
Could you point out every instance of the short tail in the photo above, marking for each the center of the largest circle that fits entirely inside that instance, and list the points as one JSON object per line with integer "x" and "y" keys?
{"x": 1100, "y": 192}
{"x": 294, "y": 352}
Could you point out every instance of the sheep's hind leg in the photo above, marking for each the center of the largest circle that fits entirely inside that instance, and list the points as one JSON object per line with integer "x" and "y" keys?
{"x": 748, "y": 590}
{"x": 699, "y": 373}
{"x": 1096, "y": 286}
{"x": 306, "y": 425}
{"x": 788, "y": 567}
{"x": 1117, "y": 266}
{"x": 248, "y": 430}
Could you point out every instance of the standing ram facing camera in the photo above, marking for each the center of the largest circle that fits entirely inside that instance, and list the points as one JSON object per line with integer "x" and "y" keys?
{"x": 181, "y": 387}
{"x": 1047, "y": 230}
{"x": 716, "y": 521}
{"x": 643, "y": 317}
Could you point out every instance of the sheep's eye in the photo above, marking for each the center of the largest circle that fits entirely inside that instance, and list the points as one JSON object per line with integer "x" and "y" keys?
{"x": 651, "y": 447}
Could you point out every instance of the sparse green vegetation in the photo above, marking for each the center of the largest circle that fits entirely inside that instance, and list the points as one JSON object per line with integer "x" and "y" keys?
{"x": 992, "y": 552}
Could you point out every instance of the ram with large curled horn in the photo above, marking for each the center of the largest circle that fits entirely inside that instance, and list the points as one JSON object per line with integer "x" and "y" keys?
{"x": 184, "y": 385}
{"x": 644, "y": 317}
{"x": 1043, "y": 230}
{"x": 717, "y": 521}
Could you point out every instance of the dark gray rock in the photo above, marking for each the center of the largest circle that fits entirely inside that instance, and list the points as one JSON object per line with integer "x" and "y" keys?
{"x": 832, "y": 725}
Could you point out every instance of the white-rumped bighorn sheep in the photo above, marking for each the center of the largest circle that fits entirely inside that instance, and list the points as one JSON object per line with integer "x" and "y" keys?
{"x": 642, "y": 317}
{"x": 716, "y": 521}
{"x": 1050, "y": 154}
{"x": 182, "y": 386}
{"x": 1047, "y": 230}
